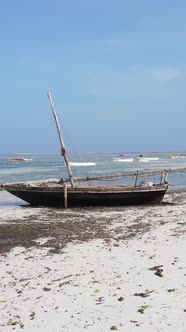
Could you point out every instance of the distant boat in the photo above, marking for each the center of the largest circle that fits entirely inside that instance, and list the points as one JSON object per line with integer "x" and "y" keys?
{"x": 77, "y": 164}
{"x": 71, "y": 192}
{"x": 181, "y": 156}
{"x": 20, "y": 159}
{"x": 153, "y": 158}
{"x": 143, "y": 159}
{"x": 123, "y": 160}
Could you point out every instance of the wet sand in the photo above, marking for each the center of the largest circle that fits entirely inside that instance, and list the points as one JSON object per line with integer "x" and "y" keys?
{"x": 101, "y": 269}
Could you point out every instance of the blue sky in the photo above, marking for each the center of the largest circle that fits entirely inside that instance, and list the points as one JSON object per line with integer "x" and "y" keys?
{"x": 116, "y": 70}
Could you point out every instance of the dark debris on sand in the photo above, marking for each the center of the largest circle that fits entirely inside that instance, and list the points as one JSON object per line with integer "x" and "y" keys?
{"x": 61, "y": 228}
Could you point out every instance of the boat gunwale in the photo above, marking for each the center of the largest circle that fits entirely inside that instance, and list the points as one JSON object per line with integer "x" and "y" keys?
{"x": 87, "y": 189}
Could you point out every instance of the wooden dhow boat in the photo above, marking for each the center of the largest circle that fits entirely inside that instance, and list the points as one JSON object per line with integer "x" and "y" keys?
{"x": 81, "y": 192}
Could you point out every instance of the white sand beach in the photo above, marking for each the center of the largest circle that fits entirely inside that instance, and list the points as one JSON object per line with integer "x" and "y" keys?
{"x": 131, "y": 278}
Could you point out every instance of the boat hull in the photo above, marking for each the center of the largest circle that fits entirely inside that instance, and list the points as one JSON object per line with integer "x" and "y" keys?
{"x": 82, "y": 197}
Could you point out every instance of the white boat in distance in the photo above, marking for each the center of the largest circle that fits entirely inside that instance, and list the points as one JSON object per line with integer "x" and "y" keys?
{"x": 77, "y": 164}
{"x": 143, "y": 159}
{"x": 182, "y": 156}
{"x": 123, "y": 160}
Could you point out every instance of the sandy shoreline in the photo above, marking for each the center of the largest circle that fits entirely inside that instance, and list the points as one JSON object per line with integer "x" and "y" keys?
{"x": 96, "y": 270}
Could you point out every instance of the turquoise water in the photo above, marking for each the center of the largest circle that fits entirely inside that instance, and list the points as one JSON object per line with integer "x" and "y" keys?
{"x": 45, "y": 166}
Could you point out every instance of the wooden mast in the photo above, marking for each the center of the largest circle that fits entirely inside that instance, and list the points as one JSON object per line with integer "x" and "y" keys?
{"x": 63, "y": 149}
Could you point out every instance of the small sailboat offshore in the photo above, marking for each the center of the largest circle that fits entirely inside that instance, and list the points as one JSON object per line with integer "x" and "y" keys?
{"x": 79, "y": 191}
